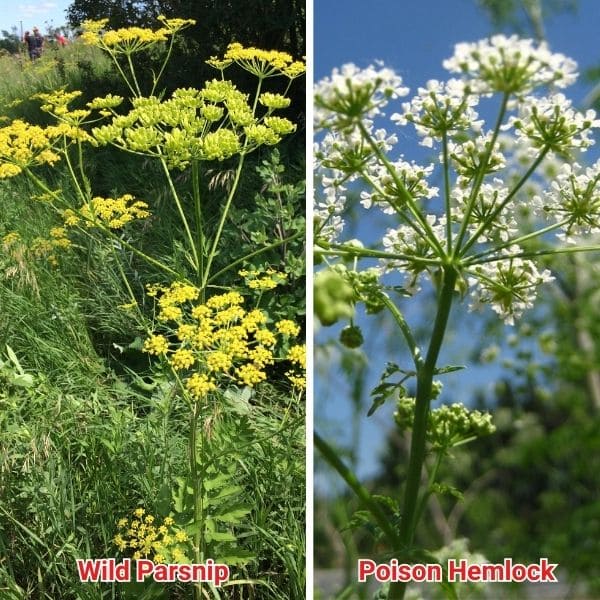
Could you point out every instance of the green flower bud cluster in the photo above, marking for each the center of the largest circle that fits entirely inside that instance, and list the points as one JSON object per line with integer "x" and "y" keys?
{"x": 351, "y": 336}
{"x": 213, "y": 123}
{"x": 334, "y": 297}
{"x": 449, "y": 425}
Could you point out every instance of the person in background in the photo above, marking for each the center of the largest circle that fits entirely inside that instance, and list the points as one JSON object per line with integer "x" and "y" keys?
{"x": 61, "y": 40}
{"x": 35, "y": 44}
{"x": 28, "y": 39}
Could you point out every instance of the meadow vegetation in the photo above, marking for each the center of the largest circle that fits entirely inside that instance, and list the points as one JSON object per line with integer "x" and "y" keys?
{"x": 114, "y": 255}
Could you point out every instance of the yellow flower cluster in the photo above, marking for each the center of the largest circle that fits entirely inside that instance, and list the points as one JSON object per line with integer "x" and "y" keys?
{"x": 111, "y": 212}
{"x": 23, "y": 145}
{"x": 128, "y": 40}
{"x": 10, "y": 239}
{"x": 273, "y": 101}
{"x": 38, "y": 248}
{"x": 297, "y": 356}
{"x": 287, "y": 327}
{"x": 263, "y": 279}
{"x": 262, "y": 63}
{"x": 219, "y": 340}
{"x": 164, "y": 543}
{"x": 213, "y": 123}
{"x": 70, "y": 120}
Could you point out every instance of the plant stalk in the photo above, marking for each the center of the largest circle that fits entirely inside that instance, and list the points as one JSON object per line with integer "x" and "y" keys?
{"x": 425, "y": 373}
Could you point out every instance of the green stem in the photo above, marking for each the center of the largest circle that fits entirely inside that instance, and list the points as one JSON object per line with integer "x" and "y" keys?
{"x": 490, "y": 219}
{"x": 481, "y": 174}
{"x": 447, "y": 194}
{"x": 215, "y": 244}
{"x": 82, "y": 196}
{"x": 121, "y": 72}
{"x": 239, "y": 261}
{"x": 126, "y": 283}
{"x": 406, "y": 196}
{"x": 368, "y": 253}
{"x": 393, "y": 202}
{"x": 480, "y": 258}
{"x": 406, "y": 331}
{"x": 132, "y": 71}
{"x": 84, "y": 179}
{"x": 162, "y": 68}
{"x": 184, "y": 220}
{"x": 548, "y": 252}
{"x": 197, "y": 491}
{"x": 425, "y": 373}
{"x": 330, "y": 455}
{"x": 199, "y": 223}
{"x": 430, "y": 481}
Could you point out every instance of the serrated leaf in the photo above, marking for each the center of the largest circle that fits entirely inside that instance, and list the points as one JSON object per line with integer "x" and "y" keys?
{"x": 216, "y": 482}
{"x": 223, "y": 493}
{"x": 359, "y": 519}
{"x": 386, "y": 501}
{"x": 219, "y": 536}
{"x": 382, "y": 392}
{"x": 231, "y": 514}
{"x": 22, "y": 380}
{"x": 390, "y": 369}
{"x": 443, "y": 488}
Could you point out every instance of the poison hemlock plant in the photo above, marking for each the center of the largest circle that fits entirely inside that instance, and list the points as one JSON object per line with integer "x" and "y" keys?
{"x": 480, "y": 239}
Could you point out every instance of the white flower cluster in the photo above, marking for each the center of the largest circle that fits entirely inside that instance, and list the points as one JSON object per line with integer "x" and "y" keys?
{"x": 494, "y": 200}
{"x": 551, "y": 122}
{"x": 489, "y": 197}
{"x": 384, "y": 189}
{"x": 510, "y": 65}
{"x": 440, "y": 108}
{"x": 474, "y": 155}
{"x": 573, "y": 200}
{"x": 509, "y": 285}
{"x": 341, "y": 158}
{"x": 407, "y": 241}
{"x": 352, "y": 94}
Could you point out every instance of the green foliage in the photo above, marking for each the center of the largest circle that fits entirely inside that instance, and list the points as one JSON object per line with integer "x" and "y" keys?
{"x": 10, "y": 42}
{"x": 525, "y": 17}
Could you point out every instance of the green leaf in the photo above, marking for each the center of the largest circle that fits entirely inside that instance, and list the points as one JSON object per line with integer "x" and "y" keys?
{"x": 219, "y": 536}
{"x": 448, "y": 369}
{"x": 22, "y": 380}
{"x": 232, "y": 514}
{"x": 163, "y": 503}
{"x": 13, "y": 358}
{"x": 216, "y": 482}
{"x": 238, "y": 557}
{"x": 223, "y": 493}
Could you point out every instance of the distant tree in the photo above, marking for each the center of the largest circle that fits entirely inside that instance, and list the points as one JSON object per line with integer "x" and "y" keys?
{"x": 525, "y": 17}
{"x": 10, "y": 41}
{"x": 275, "y": 24}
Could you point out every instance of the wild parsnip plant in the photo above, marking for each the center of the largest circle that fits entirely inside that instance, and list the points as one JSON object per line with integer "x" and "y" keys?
{"x": 480, "y": 239}
{"x": 211, "y": 346}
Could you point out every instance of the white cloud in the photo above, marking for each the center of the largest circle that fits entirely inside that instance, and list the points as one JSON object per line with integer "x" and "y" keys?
{"x": 36, "y": 10}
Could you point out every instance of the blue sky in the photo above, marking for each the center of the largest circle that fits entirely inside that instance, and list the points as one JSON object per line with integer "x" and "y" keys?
{"x": 31, "y": 14}
{"x": 414, "y": 37}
